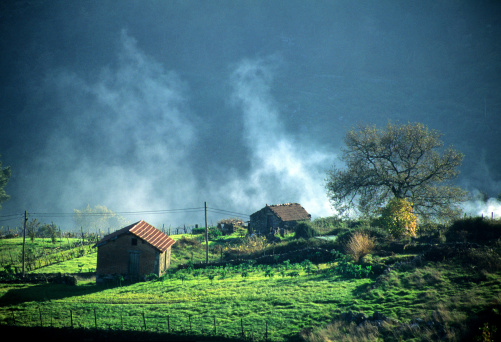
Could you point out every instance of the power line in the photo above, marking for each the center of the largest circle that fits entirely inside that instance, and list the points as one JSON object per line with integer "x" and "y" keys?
{"x": 11, "y": 217}
{"x": 155, "y": 212}
{"x": 227, "y": 212}
{"x": 165, "y": 211}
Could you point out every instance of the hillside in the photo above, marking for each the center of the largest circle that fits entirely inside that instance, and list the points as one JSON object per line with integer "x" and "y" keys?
{"x": 444, "y": 285}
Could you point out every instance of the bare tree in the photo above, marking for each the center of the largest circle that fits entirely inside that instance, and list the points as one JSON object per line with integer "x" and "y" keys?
{"x": 400, "y": 161}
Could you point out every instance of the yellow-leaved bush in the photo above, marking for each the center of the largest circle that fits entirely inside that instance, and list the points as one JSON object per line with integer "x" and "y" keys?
{"x": 398, "y": 217}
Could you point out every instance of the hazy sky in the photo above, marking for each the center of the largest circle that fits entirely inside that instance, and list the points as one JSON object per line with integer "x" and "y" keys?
{"x": 159, "y": 105}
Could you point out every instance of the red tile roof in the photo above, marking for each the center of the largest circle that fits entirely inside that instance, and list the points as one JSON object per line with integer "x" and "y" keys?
{"x": 290, "y": 212}
{"x": 144, "y": 231}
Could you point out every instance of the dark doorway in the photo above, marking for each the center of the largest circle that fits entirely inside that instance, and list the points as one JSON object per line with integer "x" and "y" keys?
{"x": 134, "y": 263}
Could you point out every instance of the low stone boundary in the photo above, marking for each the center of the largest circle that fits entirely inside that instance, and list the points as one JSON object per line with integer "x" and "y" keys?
{"x": 54, "y": 278}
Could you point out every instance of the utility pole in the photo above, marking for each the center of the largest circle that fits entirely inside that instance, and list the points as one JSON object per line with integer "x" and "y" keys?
{"x": 24, "y": 239}
{"x": 206, "y": 236}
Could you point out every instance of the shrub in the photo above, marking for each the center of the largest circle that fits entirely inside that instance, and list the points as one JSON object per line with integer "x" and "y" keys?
{"x": 328, "y": 225}
{"x": 151, "y": 277}
{"x": 199, "y": 230}
{"x": 214, "y": 233}
{"x": 482, "y": 259}
{"x": 185, "y": 241}
{"x": 304, "y": 230}
{"x": 398, "y": 218}
{"x": 359, "y": 245}
{"x": 476, "y": 229}
{"x": 348, "y": 269}
{"x": 380, "y": 235}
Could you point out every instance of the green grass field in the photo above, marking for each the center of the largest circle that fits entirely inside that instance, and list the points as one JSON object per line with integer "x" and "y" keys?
{"x": 287, "y": 304}
{"x": 458, "y": 296}
{"x": 41, "y": 252}
{"x": 279, "y": 306}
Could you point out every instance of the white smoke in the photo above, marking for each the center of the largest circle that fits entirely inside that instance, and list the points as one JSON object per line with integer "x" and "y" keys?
{"x": 126, "y": 140}
{"x": 123, "y": 142}
{"x": 490, "y": 208}
{"x": 283, "y": 168}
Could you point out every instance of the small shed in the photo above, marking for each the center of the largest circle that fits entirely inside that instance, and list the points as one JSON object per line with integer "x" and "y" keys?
{"x": 279, "y": 216}
{"x": 134, "y": 252}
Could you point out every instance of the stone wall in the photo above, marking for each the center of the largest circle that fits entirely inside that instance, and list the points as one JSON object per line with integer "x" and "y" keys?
{"x": 56, "y": 278}
{"x": 263, "y": 222}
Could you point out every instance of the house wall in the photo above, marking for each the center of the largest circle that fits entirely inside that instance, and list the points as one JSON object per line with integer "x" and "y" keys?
{"x": 113, "y": 257}
{"x": 265, "y": 220}
{"x": 262, "y": 221}
{"x": 163, "y": 260}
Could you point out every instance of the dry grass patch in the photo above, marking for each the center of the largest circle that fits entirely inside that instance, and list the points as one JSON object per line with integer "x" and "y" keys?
{"x": 343, "y": 332}
{"x": 359, "y": 245}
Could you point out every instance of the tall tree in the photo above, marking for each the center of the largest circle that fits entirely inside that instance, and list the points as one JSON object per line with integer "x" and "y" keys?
{"x": 48, "y": 230}
{"x": 400, "y": 161}
{"x": 32, "y": 228}
{"x": 99, "y": 217}
{"x": 5, "y": 174}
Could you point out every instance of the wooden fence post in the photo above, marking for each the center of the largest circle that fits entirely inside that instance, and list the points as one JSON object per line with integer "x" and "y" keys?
{"x": 242, "y": 325}
{"x": 95, "y": 318}
{"x": 144, "y": 321}
{"x": 41, "y": 321}
{"x": 71, "y": 319}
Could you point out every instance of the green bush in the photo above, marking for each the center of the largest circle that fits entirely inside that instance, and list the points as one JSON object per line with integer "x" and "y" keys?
{"x": 475, "y": 229}
{"x": 304, "y": 230}
{"x": 151, "y": 277}
{"x": 214, "y": 233}
{"x": 199, "y": 230}
{"x": 327, "y": 225}
{"x": 348, "y": 269}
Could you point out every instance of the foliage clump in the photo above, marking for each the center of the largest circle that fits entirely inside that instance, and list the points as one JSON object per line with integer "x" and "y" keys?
{"x": 398, "y": 218}
{"x": 476, "y": 229}
{"x": 304, "y": 230}
{"x": 185, "y": 241}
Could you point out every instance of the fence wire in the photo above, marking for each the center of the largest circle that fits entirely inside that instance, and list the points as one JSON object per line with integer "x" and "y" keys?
{"x": 150, "y": 318}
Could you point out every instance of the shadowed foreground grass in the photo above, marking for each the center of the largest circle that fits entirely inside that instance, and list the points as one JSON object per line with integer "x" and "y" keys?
{"x": 305, "y": 307}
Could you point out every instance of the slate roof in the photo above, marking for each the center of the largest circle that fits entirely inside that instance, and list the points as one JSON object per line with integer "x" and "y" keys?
{"x": 144, "y": 231}
{"x": 290, "y": 212}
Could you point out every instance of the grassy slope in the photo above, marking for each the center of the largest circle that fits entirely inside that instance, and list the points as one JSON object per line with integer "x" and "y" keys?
{"x": 11, "y": 252}
{"x": 287, "y": 304}
{"x": 86, "y": 263}
{"x": 459, "y": 298}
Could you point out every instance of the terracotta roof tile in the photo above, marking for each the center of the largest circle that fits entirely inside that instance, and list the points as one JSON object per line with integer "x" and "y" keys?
{"x": 144, "y": 231}
{"x": 152, "y": 235}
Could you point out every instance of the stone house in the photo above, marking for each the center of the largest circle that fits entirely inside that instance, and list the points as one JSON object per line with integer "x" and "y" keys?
{"x": 230, "y": 226}
{"x": 134, "y": 252}
{"x": 277, "y": 217}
